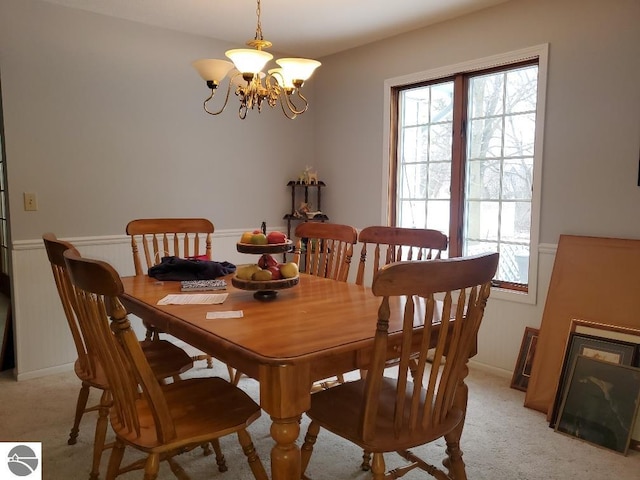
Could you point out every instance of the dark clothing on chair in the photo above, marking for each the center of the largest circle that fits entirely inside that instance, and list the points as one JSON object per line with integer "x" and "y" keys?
{"x": 175, "y": 268}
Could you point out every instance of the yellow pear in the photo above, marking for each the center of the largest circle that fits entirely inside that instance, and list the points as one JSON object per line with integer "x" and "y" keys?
{"x": 246, "y": 237}
{"x": 261, "y": 276}
{"x": 245, "y": 272}
{"x": 289, "y": 270}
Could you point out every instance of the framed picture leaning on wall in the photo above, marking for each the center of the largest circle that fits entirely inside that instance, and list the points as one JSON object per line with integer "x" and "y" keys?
{"x": 610, "y": 350}
{"x": 522, "y": 371}
{"x": 600, "y": 403}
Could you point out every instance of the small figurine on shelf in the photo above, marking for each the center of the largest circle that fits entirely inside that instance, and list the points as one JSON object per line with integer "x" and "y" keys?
{"x": 308, "y": 176}
{"x": 301, "y": 212}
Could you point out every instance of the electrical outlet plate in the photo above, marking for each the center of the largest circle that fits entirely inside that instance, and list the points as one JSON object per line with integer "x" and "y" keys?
{"x": 30, "y": 202}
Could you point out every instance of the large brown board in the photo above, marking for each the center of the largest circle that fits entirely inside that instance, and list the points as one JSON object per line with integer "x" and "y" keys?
{"x": 594, "y": 278}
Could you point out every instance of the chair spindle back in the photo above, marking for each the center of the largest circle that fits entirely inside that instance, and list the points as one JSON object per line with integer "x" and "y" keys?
{"x": 394, "y": 244}
{"x": 96, "y": 288}
{"x": 55, "y": 249}
{"x": 449, "y": 297}
{"x": 328, "y": 249}
{"x": 162, "y": 237}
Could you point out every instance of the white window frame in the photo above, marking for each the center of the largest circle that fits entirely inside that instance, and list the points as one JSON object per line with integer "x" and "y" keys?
{"x": 541, "y": 52}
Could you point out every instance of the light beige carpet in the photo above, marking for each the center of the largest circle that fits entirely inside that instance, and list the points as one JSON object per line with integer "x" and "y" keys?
{"x": 502, "y": 439}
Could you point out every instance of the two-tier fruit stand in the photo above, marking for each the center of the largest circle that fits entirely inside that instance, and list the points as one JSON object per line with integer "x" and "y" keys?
{"x": 265, "y": 290}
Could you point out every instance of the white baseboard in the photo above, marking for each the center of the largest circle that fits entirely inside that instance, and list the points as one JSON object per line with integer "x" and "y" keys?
{"x": 68, "y": 367}
{"x": 501, "y": 372}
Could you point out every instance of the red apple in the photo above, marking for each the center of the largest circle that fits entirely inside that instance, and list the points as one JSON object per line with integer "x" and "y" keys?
{"x": 267, "y": 261}
{"x": 276, "y": 237}
{"x": 275, "y": 272}
{"x": 257, "y": 231}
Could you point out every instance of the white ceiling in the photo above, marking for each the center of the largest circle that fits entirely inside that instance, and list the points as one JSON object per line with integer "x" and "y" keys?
{"x": 296, "y": 27}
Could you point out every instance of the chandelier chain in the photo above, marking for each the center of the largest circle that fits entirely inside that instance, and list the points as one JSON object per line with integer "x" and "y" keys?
{"x": 259, "y": 25}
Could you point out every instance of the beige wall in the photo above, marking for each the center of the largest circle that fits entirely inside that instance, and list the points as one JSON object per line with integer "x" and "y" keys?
{"x": 592, "y": 134}
{"x": 103, "y": 121}
{"x": 591, "y": 137}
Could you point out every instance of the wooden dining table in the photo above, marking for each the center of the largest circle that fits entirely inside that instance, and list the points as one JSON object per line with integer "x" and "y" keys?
{"x": 315, "y": 330}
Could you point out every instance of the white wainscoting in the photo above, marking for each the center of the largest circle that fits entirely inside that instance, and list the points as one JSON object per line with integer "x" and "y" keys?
{"x": 43, "y": 343}
{"x": 44, "y": 346}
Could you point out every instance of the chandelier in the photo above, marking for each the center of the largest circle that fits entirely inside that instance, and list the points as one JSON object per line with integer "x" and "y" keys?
{"x": 252, "y": 86}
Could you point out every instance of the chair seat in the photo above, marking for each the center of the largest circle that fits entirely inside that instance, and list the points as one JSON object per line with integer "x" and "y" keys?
{"x": 199, "y": 407}
{"x": 338, "y": 410}
{"x": 165, "y": 358}
{"x": 95, "y": 379}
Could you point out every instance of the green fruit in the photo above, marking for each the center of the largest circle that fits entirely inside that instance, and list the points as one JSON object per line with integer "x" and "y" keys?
{"x": 259, "y": 239}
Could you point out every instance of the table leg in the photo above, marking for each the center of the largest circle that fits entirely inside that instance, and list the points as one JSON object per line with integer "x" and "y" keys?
{"x": 285, "y": 454}
{"x": 285, "y": 393}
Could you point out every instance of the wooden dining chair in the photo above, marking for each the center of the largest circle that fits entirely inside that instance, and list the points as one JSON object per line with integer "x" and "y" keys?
{"x": 154, "y": 238}
{"x": 158, "y": 420}
{"x": 392, "y": 244}
{"x": 444, "y": 302}
{"x": 325, "y": 249}
{"x": 166, "y": 359}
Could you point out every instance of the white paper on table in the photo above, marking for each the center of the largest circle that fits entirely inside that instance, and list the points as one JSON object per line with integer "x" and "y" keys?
{"x": 227, "y": 314}
{"x": 193, "y": 298}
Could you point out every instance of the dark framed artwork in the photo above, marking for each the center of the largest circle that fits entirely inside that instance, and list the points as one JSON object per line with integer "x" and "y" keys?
{"x": 606, "y": 349}
{"x": 600, "y": 403}
{"x": 522, "y": 372}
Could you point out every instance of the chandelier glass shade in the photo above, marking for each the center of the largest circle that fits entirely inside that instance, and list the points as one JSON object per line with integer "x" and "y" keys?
{"x": 251, "y": 85}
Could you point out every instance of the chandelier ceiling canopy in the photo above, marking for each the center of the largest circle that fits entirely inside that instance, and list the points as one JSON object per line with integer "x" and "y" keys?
{"x": 252, "y": 86}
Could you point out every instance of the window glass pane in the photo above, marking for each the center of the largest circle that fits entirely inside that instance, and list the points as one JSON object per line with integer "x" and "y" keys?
{"x": 440, "y": 180}
{"x": 414, "y": 140}
{"x": 483, "y": 220}
{"x": 517, "y": 179}
{"x": 442, "y": 102}
{"x": 522, "y": 90}
{"x": 413, "y": 181}
{"x": 438, "y": 216}
{"x": 519, "y": 135}
{"x": 415, "y": 106}
{"x": 483, "y": 179}
{"x": 440, "y": 142}
{"x": 514, "y": 263}
{"x": 474, "y": 247}
{"x": 412, "y": 214}
{"x": 424, "y": 170}
{"x": 5, "y": 260}
{"x": 486, "y": 95}
{"x": 515, "y": 222}
{"x": 485, "y": 138}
